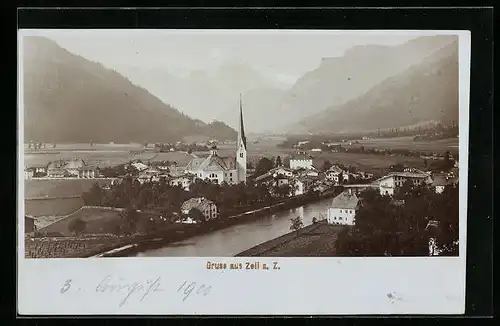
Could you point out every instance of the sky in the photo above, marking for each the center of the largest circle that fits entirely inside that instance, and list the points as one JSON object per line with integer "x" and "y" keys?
{"x": 282, "y": 55}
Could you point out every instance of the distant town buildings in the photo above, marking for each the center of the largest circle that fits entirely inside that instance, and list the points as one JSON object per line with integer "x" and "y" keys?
{"x": 74, "y": 168}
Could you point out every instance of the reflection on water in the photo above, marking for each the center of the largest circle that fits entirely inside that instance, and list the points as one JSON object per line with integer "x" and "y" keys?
{"x": 235, "y": 239}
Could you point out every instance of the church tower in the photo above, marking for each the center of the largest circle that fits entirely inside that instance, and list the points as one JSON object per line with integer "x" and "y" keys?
{"x": 241, "y": 151}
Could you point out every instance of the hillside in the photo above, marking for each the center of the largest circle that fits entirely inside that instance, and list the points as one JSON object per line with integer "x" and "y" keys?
{"x": 338, "y": 80}
{"x": 427, "y": 91}
{"x": 70, "y": 99}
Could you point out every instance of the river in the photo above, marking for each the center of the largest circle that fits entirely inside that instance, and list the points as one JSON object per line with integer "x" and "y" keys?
{"x": 232, "y": 240}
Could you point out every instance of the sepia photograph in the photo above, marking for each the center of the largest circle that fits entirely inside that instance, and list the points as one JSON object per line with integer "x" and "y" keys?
{"x": 240, "y": 144}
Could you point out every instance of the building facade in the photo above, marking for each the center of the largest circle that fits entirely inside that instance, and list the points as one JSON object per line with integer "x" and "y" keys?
{"x": 343, "y": 209}
{"x": 301, "y": 161}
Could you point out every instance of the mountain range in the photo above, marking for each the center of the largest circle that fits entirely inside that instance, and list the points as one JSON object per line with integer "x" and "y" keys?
{"x": 271, "y": 106}
{"x": 424, "y": 92}
{"x": 369, "y": 87}
{"x": 67, "y": 98}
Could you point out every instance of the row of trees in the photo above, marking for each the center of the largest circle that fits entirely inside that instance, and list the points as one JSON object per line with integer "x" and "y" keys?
{"x": 385, "y": 229}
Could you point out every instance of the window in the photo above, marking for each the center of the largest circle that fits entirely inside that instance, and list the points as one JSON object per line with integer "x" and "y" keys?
{"x": 231, "y": 174}
{"x": 241, "y": 154}
{"x": 340, "y": 218}
{"x": 335, "y": 217}
{"x": 341, "y": 211}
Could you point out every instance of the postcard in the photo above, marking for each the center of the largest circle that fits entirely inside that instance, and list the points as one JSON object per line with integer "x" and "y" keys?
{"x": 237, "y": 172}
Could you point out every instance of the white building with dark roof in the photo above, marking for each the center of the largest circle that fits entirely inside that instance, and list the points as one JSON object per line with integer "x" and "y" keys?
{"x": 343, "y": 209}
{"x": 215, "y": 168}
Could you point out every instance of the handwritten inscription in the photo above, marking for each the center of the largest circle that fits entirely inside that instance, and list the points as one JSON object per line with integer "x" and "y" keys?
{"x": 249, "y": 265}
{"x": 144, "y": 289}
{"x": 126, "y": 290}
{"x": 193, "y": 288}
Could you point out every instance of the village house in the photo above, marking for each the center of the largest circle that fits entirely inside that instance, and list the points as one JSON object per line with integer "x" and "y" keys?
{"x": 184, "y": 181}
{"x": 337, "y": 175}
{"x": 301, "y": 160}
{"x": 217, "y": 169}
{"x": 139, "y": 166}
{"x": 303, "y": 185}
{"x": 35, "y": 172}
{"x": 206, "y": 207}
{"x": 389, "y": 183}
{"x": 88, "y": 172}
{"x": 343, "y": 209}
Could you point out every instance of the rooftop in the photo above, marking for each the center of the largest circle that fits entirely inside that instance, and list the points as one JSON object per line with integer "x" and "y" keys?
{"x": 345, "y": 200}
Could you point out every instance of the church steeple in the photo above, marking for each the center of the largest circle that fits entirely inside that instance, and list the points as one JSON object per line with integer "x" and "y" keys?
{"x": 241, "y": 130}
{"x": 241, "y": 150}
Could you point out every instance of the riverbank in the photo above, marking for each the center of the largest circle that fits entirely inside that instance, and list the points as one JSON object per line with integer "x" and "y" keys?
{"x": 166, "y": 238}
{"x": 315, "y": 240}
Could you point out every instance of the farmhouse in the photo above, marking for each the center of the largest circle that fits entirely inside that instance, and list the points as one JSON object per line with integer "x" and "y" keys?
{"x": 206, "y": 207}
{"x": 343, "y": 208}
{"x": 223, "y": 169}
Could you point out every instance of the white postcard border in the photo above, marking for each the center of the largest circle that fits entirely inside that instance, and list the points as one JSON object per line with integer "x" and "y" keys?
{"x": 302, "y": 286}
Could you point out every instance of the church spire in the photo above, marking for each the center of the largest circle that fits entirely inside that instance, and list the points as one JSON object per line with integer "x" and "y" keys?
{"x": 241, "y": 130}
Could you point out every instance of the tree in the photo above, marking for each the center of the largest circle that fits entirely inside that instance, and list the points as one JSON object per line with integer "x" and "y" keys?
{"x": 263, "y": 166}
{"x": 94, "y": 196}
{"x": 278, "y": 161}
{"x": 296, "y": 224}
{"x": 327, "y": 165}
{"x": 447, "y": 162}
{"x": 404, "y": 190}
{"x": 197, "y": 215}
{"x": 77, "y": 226}
{"x": 129, "y": 219}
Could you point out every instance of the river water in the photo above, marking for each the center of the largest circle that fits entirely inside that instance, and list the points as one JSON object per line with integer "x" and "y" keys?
{"x": 237, "y": 238}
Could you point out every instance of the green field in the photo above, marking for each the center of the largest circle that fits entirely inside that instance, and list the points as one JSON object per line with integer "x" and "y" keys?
{"x": 52, "y": 207}
{"x": 98, "y": 221}
{"x": 450, "y": 144}
{"x": 59, "y": 188}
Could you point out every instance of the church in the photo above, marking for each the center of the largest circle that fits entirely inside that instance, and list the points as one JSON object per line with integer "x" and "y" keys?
{"x": 217, "y": 169}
